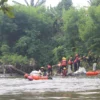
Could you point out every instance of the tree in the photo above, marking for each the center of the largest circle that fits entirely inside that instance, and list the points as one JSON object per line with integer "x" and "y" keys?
{"x": 6, "y": 9}
{"x": 64, "y": 4}
{"x": 70, "y": 30}
{"x": 58, "y": 12}
{"x": 5, "y": 49}
{"x": 89, "y": 28}
{"x": 31, "y": 33}
{"x": 94, "y": 2}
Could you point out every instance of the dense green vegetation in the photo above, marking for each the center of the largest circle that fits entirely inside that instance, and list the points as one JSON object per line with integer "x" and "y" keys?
{"x": 48, "y": 34}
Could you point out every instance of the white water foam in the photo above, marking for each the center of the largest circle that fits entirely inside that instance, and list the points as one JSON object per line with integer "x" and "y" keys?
{"x": 18, "y": 85}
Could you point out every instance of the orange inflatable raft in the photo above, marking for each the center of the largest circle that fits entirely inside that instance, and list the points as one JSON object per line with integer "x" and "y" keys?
{"x": 31, "y": 77}
{"x": 92, "y": 73}
{"x": 98, "y": 71}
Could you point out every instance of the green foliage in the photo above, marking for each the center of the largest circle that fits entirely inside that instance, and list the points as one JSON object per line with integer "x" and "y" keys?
{"x": 14, "y": 59}
{"x": 64, "y": 4}
{"x": 89, "y": 28}
{"x": 70, "y": 29}
{"x": 48, "y": 34}
{"x": 58, "y": 53}
{"x": 5, "y": 49}
{"x": 94, "y": 2}
{"x": 6, "y": 9}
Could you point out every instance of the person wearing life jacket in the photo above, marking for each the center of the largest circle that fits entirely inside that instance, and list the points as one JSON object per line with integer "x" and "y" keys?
{"x": 49, "y": 67}
{"x": 59, "y": 68}
{"x": 43, "y": 71}
{"x": 95, "y": 61}
{"x": 70, "y": 62}
{"x": 83, "y": 61}
{"x": 75, "y": 65}
{"x": 63, "y": 63}
{"x": 90, "y": 58}
{"x": 64, "y": 72}
{"x": 78, "y": 60}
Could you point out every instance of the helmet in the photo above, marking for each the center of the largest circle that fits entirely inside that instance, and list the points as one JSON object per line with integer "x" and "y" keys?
{"x": 63, "y": 58}
{"x": 64, "y": 68}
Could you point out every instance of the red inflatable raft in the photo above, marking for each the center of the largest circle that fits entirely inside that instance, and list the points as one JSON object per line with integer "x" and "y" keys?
{"x": 31, "y": 77}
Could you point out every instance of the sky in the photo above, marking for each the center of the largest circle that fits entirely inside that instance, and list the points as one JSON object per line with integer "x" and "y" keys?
{"x": 76, "y": 3}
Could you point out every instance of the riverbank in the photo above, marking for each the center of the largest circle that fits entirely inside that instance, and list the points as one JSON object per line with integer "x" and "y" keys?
{"x": 14, "y": 75}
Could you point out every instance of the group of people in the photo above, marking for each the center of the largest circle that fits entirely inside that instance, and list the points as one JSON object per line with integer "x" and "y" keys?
{"x": 43, "y": 71}
{"x": 65, "y": 67}
{"x": 68, "y": 66}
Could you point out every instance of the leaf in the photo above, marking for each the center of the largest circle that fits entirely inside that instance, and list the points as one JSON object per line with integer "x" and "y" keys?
{"x": 10, "y": 14}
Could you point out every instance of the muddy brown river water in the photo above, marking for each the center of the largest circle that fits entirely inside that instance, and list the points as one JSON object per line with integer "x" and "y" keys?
{"x": 72, "y": 88}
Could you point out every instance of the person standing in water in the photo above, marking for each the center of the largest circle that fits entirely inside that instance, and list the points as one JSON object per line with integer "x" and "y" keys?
{"x": 70, "y": 62}
{"x": 75, "y": 65}
{"x": 78, "y": 60}
{"x": 49, "y": 67}
{"x": 63, "y": 63}
{"x": 95, "y": 61}
{"x": 64, "y": 72}
{"x": 59, "y": 68}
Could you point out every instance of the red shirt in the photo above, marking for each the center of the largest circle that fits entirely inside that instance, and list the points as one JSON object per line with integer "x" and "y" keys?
{"x": 49, "y": 66}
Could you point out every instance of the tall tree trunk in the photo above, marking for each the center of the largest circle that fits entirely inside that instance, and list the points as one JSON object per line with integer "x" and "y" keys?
{"x": 32, "y": 2}
{"x": 26, "y": 2}
{"x": 37, "y": 3}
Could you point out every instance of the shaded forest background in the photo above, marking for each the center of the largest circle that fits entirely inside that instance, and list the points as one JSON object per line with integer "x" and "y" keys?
{"x": 41, "y": 35}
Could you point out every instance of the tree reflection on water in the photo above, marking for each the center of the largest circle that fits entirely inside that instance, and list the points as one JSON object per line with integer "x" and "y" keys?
{"x": 86, "y": 95}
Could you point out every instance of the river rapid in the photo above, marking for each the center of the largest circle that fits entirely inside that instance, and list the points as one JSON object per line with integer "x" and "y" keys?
{"x": 69, "y": 88}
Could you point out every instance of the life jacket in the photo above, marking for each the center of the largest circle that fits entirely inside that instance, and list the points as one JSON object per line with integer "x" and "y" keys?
{"x": 75, "y": 61}
{"x": 63, "y": 63}
{"x": 64, "y": 72}
{"x": 49, "y": 66}
{"x": 78, "y": 58}
{"x": 70, "y": 62}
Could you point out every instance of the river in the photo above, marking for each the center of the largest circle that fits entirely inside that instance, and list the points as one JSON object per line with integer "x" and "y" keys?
{"x": 71, "y": 88}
